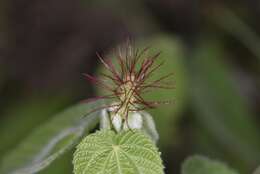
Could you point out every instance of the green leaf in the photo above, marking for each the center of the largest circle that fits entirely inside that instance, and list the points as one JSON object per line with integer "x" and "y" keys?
{"x": 25, "y": 115}
{"x": 203, "y": 165}
{"x": 62, "y": 164}
{"x": 219, "y": 107}
{"x": 129, "y": 152}
{"x": 50, "y": 140}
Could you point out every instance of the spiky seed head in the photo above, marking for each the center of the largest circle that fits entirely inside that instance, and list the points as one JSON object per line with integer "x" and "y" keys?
{"x": 127, "y": 83}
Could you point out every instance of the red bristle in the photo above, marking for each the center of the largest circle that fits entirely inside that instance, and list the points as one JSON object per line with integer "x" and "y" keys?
{"x": 110, "y": 67}
{"x": 142, "y": 52}
{"x": 110, "y": 78}
{"x": 158, "y": 86}
{"x": 98, "y": 81}
{"x": 92, "y": 99}
{"x": 161, "y": 102}
{"x": 145, "y": 67}
{"x": 154, "y": 69}
{"x": 100, "y": 108}
{"x": 158, "y": 80}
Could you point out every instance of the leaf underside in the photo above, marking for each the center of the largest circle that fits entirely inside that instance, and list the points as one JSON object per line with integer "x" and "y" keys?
{"x": 50, "y": 140}
{"x": 128, "y": 152}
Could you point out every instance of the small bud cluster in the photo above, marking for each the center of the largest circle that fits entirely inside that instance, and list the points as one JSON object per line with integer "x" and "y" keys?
{"x": 112, "y": 120}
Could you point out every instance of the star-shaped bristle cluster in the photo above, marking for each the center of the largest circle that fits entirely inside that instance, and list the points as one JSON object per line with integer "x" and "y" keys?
{"x": 130, "y": 80}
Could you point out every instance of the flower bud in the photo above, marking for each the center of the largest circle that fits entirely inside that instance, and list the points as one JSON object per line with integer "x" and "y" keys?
{"x": 116, "y": 120}
{"x": 134, "y": 121}
{"x": 109, "y": 119}
{"x": 104, "y": 120}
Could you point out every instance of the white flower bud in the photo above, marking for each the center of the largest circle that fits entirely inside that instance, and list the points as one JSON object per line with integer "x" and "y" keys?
{"x": 105, "y": 120}
{"x": 134, "y": 121}
{"x": 149, "y": 126}
{"x": 111, "y": 120}
{"x": 117, "y": 122}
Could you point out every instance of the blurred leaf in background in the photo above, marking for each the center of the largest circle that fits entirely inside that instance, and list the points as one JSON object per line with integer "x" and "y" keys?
{"x": 51, "y": 140}
{"x": 202, "y": 165}
{"x": 239, "y": 29}
{"x": 62, "y": 164}
{"x": 20, "y": 118}
{"x": 222, "y": 112}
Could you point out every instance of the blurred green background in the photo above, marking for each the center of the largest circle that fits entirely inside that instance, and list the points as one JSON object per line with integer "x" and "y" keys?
{"x": 213, "y": 48}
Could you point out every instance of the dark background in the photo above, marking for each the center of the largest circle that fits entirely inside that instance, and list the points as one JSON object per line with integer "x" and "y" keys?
{"x": 46, "y": 45}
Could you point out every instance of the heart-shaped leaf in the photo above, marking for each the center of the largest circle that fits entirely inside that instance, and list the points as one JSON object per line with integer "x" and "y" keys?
{"x": 128, "y": 152}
